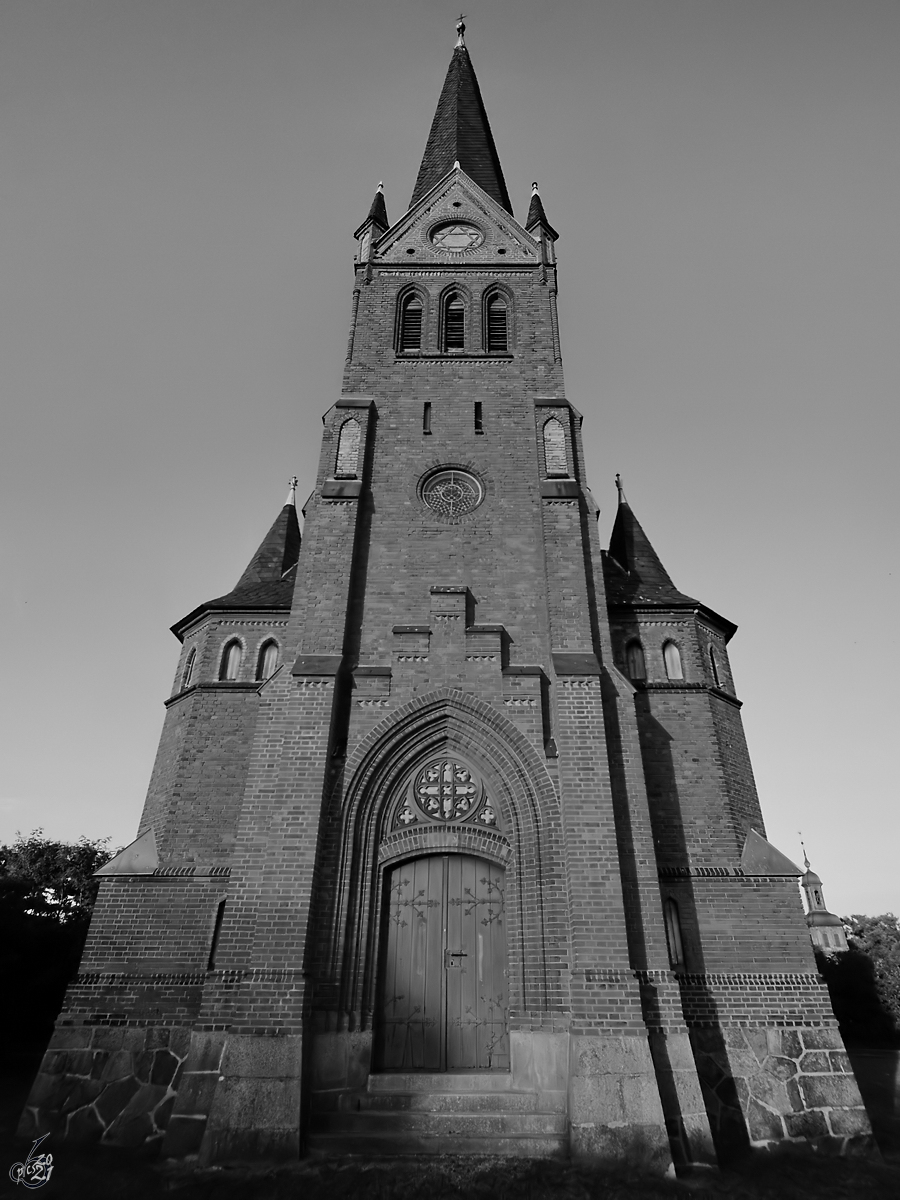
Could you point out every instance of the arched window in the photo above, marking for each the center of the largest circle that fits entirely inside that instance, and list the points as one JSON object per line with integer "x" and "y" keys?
{"x": 672, "y": 659}
{"x": 409, "y": 336}
{"x": 188, "y": 673}
{"x": 348, "y": 450}
{"x": 555, "y": 448}
{"x": 714, "y": 665}
{"x": 634, "y": 661}
{"x": 496, "y": 324}
{"x": 231, "y": 661}
{"x": 673, "y": 934}
{"x": 267, "y": 661}
{"x": 454, "y": 323}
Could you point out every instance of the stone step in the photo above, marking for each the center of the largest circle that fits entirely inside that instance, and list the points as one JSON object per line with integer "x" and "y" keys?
{"x": 496, "y": 1102}
{"x": 444, "y": 1081}
{"x": 399, "y": 1145}
{"x": 483, "y": 1125}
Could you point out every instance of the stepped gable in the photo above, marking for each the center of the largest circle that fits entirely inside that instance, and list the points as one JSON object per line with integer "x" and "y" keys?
{"x": 460, "y": 133}
{"x": 268, "y": 580}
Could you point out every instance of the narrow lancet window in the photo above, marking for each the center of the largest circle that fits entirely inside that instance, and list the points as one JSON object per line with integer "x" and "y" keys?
{"x": 672, "y": 658}
{"x": 555, "y": 456}
{"x": 714, "y": 666}
{"x": 673, "y": 935}
{"x": 634, "y": 661}
{"x": 426, "y": 417}
{"x": 497, "y": 325}
{"x": 217, "y": 933}
{"x": 479, "y": 416}
{"x": 188, "y": 674}
{"x": 268, "y": 660}
{"x": 348, "y": 450}
{"x": 231, "y": 661}
{"x": 454, "y": 322}
{"x": 410, "y": 334}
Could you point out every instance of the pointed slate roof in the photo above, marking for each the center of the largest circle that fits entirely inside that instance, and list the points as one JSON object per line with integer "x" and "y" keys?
{"x": 460, "y": 133}
{"x": 378, "y": 211}
{"x": 634, "y": 573}
{"x": 536, "y": 214}
{"x": 268, "y": 581}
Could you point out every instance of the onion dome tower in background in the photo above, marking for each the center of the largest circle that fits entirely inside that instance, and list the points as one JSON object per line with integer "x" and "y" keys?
{"x": 825, "y": 929}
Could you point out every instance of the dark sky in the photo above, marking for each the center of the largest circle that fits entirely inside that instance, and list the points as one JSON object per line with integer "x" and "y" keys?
{"x": 180, "y": 184}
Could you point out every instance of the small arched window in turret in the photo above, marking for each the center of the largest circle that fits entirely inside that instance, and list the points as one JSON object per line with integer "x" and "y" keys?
{"x": 555, "y": 458}
{"x": 454, "y": 323}
{"x": 673, "y": 934}
{"x": 496, "y": 324}
{"x": 634, "y": 660}
{"x": 348, "y": 450}
{"x": 231, "y": 661}
{"x": 714, "y": 666}
{"x": 268, "y": 660}
{"x": 409, "y": 335}
{"x": 672, "y": 659}
{"x": 188, "y": 673}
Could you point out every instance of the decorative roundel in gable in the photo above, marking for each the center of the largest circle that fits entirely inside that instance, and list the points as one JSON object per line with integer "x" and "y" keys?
{"x": 452, "y": 493}
{"x": 456, "y": 236}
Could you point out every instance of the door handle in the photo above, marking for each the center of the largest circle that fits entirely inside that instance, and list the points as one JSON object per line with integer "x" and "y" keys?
{"x": 448, "y": 954}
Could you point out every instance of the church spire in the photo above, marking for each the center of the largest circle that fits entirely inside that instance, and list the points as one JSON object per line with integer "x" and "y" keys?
{"x": 268, "y": 580}
{"x": 279, "y": 550}
{"x": 631, "y": 549}
{"x": 460, "y": 133}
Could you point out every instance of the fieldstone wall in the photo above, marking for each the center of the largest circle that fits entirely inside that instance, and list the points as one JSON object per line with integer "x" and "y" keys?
{"x": 106, "y": 1084}
{"x": 766, "y": 1086}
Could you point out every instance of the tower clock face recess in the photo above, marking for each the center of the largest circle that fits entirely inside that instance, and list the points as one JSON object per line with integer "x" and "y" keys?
{"x": 456, "y": 237}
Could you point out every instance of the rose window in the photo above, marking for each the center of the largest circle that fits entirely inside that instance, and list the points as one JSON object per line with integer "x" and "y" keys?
{"x": 452, "y": 493}
{"x": 445, "y": 791}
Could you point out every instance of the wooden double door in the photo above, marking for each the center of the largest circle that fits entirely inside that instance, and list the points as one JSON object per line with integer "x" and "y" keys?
{"x": 443, "y": 987}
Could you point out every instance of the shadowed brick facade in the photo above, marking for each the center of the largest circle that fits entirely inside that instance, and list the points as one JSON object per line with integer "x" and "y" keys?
{"x": 659, "y": 990}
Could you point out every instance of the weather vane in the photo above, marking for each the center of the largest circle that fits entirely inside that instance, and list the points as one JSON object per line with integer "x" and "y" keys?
{"x": 460, "y": 29}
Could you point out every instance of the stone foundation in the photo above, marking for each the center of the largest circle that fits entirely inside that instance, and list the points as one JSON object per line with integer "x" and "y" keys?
{"x": 764, "y": 1087}
{"x": 106, "y": 1084}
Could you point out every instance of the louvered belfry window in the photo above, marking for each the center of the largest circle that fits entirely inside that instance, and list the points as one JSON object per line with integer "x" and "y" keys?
{"x": 454, "y": 323}
{"x": 411, "y": 324}
{"x": 497, "y": 328}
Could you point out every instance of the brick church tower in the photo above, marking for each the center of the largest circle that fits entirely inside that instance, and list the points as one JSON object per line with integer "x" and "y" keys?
{"x": 452, "y": 841}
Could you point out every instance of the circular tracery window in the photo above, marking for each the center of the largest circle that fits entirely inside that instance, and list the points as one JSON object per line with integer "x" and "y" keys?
{"x": 445, "y": 791}
{"x": 456, "y": 236}
{"x": 452, "y": 493}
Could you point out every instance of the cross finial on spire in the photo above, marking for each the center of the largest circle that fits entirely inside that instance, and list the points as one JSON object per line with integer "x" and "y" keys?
{"x": 292, "y": 493}
{"x": 460, "y": 30}
{"x": 620, "y": 487}
{"x": 803, "y": 848}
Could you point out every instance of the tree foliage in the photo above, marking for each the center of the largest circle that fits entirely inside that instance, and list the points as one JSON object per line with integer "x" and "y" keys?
{"x": 47, "y": 892}
{"x": 864, "y": 982}
{"x": 879, "y": 939}
{"x": 40, "y": 877}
